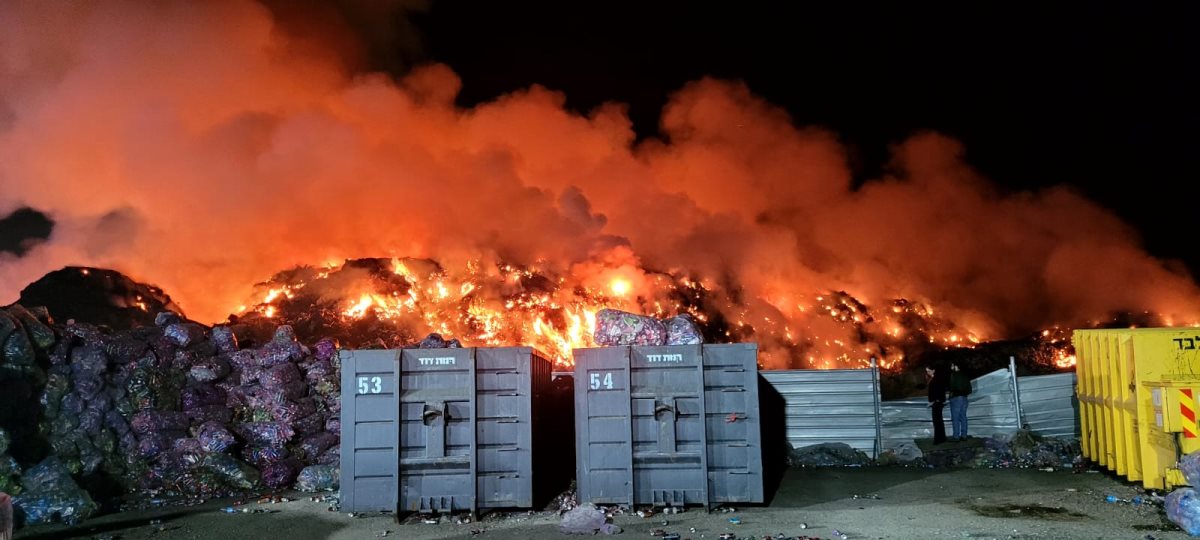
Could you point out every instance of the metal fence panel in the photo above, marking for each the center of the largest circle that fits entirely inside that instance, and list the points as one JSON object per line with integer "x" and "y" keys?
{"x": 1048, "y": 404}
{"x": 829, "y": 406}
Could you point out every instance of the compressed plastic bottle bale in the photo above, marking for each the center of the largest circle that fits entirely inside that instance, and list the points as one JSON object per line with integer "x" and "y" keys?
{"x": 315, "y": 445}
{"x": 153, "y": 444}
{"x": 266, "y": 433}
{"x": 281, "y": 473}
{"x": 72, "y": 404}
{"x": 87, "y": 387}
{"x": 209, "y": 369}
{"x": 244, "y": 359}
{"x": 167, "y": 318}
{"x": 334, "y": 424}
{"x": 224, "y": 339}
{"x": 318, "y": 478}
{"x": 105, "y": 441}
{"x": 333, "y": 456}
{"x": 200, "y": 395}
{"x": 318, "y": 370}
{"x": 41, "y": 335}
{"x": 682, "y": 330}
{"x": 432, "y": 341}
{"x": 278, "y": 352}
{"x": 614, "y": 328}
{"x": 88, "y": 361}
{"x": 234, "y": 472}
{"x": 1189, "y": 465}
{"x": 326, "y": 349}
{"x": 18, "y": 350}
{"x": 150, "y": 421}
{"x": 114, "y": 421}
{"x": 211, "y": 413}
{"x": 125, "y": 348}
{"x": 50, "y": 494}
{"x": 310, "y": 424}
{"x": 261, "y": 456}
{"x": 184, "y": 334}
{"x": 277, "y": 376}
{"x": 213, "y": 437}
{"x": 1183, "y": 509}
{"x": 91, "y": 420}
{"x": 290, "y": 412}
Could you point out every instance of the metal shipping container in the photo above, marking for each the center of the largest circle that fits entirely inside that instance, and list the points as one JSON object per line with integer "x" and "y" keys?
{"x": 670, "y": 426}
{"x": 1138, "y": 391}
{"x": 446, "y": 430}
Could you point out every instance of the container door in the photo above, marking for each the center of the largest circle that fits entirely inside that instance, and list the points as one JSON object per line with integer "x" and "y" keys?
{"x": 670, "y": 460}
{"x": 437, "y": 431}
{"x": 603, "y": 445}
{"x": 504, "y": 434}
{"x": 369, "y": 430}
{"x": 735, "y": 468}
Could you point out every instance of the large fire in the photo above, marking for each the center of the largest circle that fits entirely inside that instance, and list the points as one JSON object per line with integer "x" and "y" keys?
{"x": 396, "y": 301}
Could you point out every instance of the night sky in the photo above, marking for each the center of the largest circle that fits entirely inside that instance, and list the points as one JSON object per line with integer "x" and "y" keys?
{"x": 1100, "y": 98}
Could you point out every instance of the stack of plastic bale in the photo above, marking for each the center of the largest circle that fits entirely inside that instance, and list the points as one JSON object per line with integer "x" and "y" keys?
{"x": 275, "y": 409}
{"x": 614, "y": 328}
{"x": 323, "y": 450}
{"x": 26, "y": 338}
{"x": 50, "y": 494}
{"x": 1183, "y": 504}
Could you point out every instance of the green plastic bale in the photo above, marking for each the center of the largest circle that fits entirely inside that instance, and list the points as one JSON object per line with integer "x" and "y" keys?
{"x": 18, "y": 350}
{"x": 105, "y": 442}
{"x": 64, "y": 425}
{"x": 41, "y": 335}
{"x": 232, "y": 471}
{"x": 63, "y": 446}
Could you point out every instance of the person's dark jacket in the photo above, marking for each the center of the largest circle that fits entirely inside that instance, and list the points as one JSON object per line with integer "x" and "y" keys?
{"x": 960, "y": 385}
{"x": 938, "y": 385}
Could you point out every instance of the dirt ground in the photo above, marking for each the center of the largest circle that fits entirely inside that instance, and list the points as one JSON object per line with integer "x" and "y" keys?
{"x": 868, "y": 502}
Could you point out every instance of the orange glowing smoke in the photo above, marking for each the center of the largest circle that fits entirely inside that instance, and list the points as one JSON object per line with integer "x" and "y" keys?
{"x": 201, "y": 146}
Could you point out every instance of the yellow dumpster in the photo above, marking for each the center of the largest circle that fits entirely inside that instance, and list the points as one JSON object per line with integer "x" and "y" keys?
{"x": 1137, "y": 392}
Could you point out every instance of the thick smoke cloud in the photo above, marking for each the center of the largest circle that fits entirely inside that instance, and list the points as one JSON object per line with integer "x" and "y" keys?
{"x": 201, "y": 147}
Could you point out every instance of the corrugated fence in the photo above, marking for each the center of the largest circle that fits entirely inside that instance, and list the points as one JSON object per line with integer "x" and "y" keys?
{"x": 835, "y": 405}
{"x": 843, "y": 406}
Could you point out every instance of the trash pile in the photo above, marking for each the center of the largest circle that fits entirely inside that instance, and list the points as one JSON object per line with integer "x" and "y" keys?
{"x": 587, "y": 519}
{"x": 1183, "y": 504}
{"x": 615, "y": 328}
{"x": 171, "y": 410}
{"x": 826, "y": 455}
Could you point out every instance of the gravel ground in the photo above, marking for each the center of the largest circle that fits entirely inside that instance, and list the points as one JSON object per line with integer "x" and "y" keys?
{"x": 871, "y": 502}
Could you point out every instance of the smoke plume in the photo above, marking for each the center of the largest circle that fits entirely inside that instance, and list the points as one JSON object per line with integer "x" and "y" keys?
{"x": 204, "y": 146}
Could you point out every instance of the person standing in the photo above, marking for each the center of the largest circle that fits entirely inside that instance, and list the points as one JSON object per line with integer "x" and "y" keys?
{"x": 960, "y": 388}
{"x": 937, "y": 382}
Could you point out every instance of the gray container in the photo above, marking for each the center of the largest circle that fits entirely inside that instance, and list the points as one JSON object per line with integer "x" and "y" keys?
{"x": 668, "y": 426}
{"x": 446, "y": 430}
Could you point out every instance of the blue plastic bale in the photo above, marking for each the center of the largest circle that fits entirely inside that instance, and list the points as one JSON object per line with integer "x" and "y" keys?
{"x": 1183, "y": 509}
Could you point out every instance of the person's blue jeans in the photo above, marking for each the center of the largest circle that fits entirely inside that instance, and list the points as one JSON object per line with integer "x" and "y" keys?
{"x": 958, "y": 416}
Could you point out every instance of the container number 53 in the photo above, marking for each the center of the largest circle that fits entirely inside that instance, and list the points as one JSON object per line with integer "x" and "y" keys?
{"x": 370, "y": 385}
{"x": 597, "y": 382}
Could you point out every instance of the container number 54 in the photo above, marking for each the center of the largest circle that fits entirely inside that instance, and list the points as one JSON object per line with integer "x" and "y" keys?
{"x": 597, "y": 382}
{"x": 370, "y": 385}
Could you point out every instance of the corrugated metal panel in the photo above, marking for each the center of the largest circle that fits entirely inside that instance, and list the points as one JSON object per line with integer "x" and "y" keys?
{"x": 1048, "y": 404}
{"x": 829, "y": 406}
{"x": 990, "y": 410}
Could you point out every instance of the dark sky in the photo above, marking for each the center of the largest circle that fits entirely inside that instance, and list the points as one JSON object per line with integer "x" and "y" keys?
{"x": 1101, "y": 98}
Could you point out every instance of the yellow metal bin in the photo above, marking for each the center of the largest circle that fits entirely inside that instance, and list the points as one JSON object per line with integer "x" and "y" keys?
{"x": 1137, "y": 393}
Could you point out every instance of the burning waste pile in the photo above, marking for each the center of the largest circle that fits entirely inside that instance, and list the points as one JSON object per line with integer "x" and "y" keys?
{"x": 174, "y": 410}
